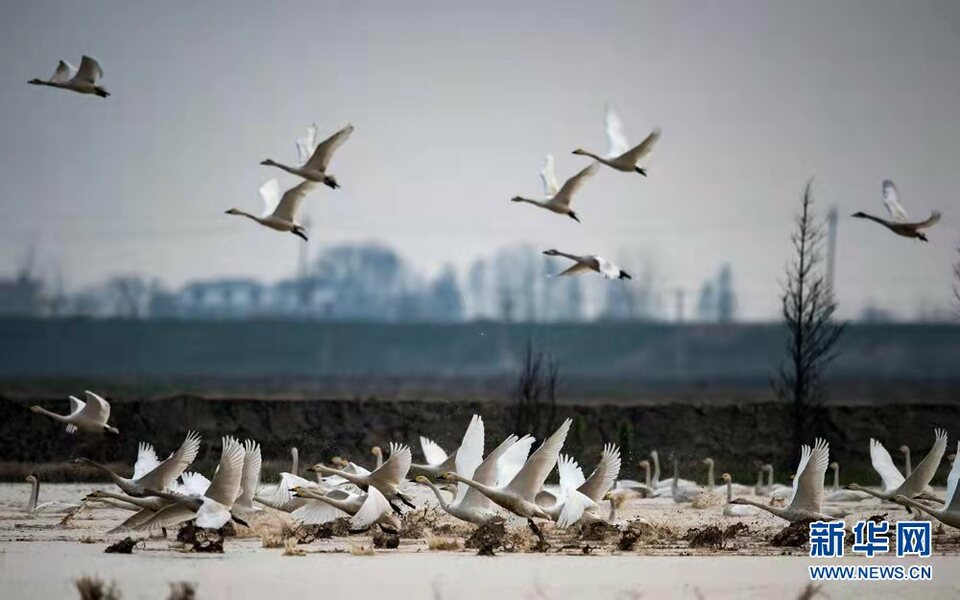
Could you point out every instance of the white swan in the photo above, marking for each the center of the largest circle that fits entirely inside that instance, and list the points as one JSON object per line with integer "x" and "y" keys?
{"x": 806, "y": 503}
{"x": 840, "y": 495}
{"x": 519, "y": 495}
{"x": 620, "y": 156}
{"x": 684, "y": 493}
{"x": 249, "y": 479}
{"x": 778, "y": 491}
{"x": 364, "y": 509}
{"x": 666, "y": 484}
{"x": 897, "y": 223}
{"x": 556, "y": 199}
{"x": 387, "y": 478}
{"x": 735, "y": 510}
{"x": 579, "y": 498}
{"x": 142, "y": 508}
{"x": 950, "y": 514}
{"x": 281, "y": 212}
{"x": 894, "y": 483}
{"x": 591, "y": 262}
{"x": 53, "y": 507}
{"x": 438, "y": 461}
{"x": 737, "y": 488}
{"x": 90, "y": 416}
{"x": 82, "y": 80}
{"x": 161, "y": 475}
{"x": 315, "y": 167}
{"x": 212, "y": 509}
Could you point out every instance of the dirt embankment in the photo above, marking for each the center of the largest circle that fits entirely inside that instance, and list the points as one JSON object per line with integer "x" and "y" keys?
{"x": 736, "y": 436}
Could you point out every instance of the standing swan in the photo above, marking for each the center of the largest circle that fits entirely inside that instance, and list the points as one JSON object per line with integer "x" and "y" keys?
{"x": 898, "y": 216}
{"x": 806, "y": 502}
{"x": 907, "y": 464}
{"x": 591, "y": 262}
{"x": 82, "y": 80}
{"x": 315, "y": 168}
{"x": 90, "y": 416}
{"x": 950, "y": 514}
{"x": 620, "y": 156}
{"x": 556, "y": 199}
{"x": 281, "y": 212}
{"x": 735, "y": 510}
{"x": 839, "y": 495}
{"x": 53, "y": 507}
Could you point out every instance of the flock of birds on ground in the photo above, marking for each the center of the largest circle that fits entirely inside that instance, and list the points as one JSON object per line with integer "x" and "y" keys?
{"x": 315, "y": 156}
{"x": 511, "y": 479}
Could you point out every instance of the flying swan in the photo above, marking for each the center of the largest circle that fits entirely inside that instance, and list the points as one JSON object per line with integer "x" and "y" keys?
{"x": 620, "y": 156}
{"x": 557, "y": 199}
{"x": 897, "y": 222}
{"x": 590, "y": 262}
{"x": 315, "y": 167}
{"x": 90, "y": 416}
{"x": 280, "y": 213}
{"x": 82, "y": 80}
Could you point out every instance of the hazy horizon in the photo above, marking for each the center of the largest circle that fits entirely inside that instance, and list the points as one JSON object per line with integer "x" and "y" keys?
{"x": 455, "y": 107}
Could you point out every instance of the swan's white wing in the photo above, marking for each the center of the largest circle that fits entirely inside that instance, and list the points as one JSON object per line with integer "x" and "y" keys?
{"x": 395, "y": 468}
{"x": 573, "y": 184}
{"x": 373, "y": 507}
{"x": 97, "y": 408}
{"x": 577, "y": 268}
{"x": 634, "y": 155}
{"x": 883, "y": 464}
{"x": 805, "y": 452}
{"x": 212, "y": 515}
{"x": 573, "y": 508}
{"x": 281, "y": 495}
{"x": 193, "y": 484}
{"x": 166, "y": 517}
{"x": 603, "y": 477}
{"x": 952, "y": 499}
{"x": 486, "y": 474}
{"x": 891, "y": 200}
{"x": 307, "y": 144}
{"x": 617, "y": 140}
{"x": 290, "y": 202}
{"x": 163, "y": 476}
{"x": 469, "y": 455}
{"x": 921, "y": 475}
{"x": 534, "y": 473}
{"x": 607, "y": 269}
{"x": 513, "y": 460}
{"x": 432, "y": 451}
{"x": 355, "y": 468}
{"x": 324, "y": 151}
{"x": 548, "y": 176}
{"x": 270, "y": 194}
{"x": 250, "y": 480}
{"x": 146, "y": 460}
{"x": 571, "y": 475}
{"x": 76, "y": 405}
{"x": 930, "y": 222}
{"x": 225, "y": 486}
{"x": 317, "y": 512}
{"x": 65, "y": 72}
{"x": 808, "y": 483}
{"x": 89, "y": 71}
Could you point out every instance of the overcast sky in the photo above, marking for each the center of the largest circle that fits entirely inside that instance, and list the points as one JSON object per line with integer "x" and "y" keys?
{"x": 455, "y": 106}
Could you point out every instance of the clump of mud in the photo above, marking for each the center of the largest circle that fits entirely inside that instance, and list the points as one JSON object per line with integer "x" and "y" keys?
{"x": 416, "y": 523}
{"x": 488, "y": 537}
{"x": 336, "y": 528}
{"x": 182, "y": 590}
{"x": 386, "y": 539}
{"x": 92, "y": 588}
{"x": 641, "y": 531}
{"x": 198, "y": 539}
{"x": 793, "y": 535}
{"x": 124, "y": 546}
{"x": 598, "y": 531}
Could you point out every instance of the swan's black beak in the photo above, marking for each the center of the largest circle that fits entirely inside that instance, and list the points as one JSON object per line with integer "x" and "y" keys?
{"x": 625, "y": 275}
{"x": 573, "y": 216}
{"x": 922, "y": 237}
{"x": 300, "y": 234}
{"x": 642, "y": 171}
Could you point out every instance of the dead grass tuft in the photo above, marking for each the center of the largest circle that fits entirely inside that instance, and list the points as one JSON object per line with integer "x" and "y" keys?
{"x": 442, "y": 543}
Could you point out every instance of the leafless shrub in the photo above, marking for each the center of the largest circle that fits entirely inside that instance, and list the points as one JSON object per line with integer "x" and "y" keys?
{"x": 534, "y": 401}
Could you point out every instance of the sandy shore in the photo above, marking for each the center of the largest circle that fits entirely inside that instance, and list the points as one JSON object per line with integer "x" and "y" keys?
{"x": 40, "y": 558}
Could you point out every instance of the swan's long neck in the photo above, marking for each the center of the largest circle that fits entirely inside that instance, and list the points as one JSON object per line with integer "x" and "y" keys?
{"x": 676, "y": 475}
{"x": 379, "y": 462}
{"x": 729, "y": 492}
{"x": 443, "y": 503}
{"x": 656, "y": 467}
{"x": 836, "y": 478}
{"x": 760, "y": 478}
{"x": 52, "y": 415}
{"x": 487, "y": 491}
{"x": 343, "y": 505}
{"x": 612, "y": 515}
{"x": 908, "y": 467}
{"x": 249, "y": 216}
{"x": 351, "y": 477}
{"x": 710, "y": 480}
{"x": 294, "y": 461}
{"x": 34, "y": 495}
{"x": 883, "y": 222}
{"x": 116, "y": 478}
{"x": 187, "y": 501}
{"x": 539, "y": 203}
{"x": 646, "y": 474}
{"x": 854, "y": 486}
{"x": 918, "y": 505}
{"x": 593, "y": 156}
{"x": 770, "y": 509}
{"x": 140, "y": 502}
{"x": 770, "y": 477}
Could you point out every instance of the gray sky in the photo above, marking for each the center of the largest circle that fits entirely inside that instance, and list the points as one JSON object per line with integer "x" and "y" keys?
{"x": 455, "y": 108}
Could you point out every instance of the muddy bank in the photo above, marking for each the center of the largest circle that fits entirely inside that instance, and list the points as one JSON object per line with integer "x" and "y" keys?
{"x": 734, "y": 435}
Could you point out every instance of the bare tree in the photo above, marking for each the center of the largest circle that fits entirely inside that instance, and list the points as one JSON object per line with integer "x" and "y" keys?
{"x": 535, "y": 394}
{"x": 812, "y": 334}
